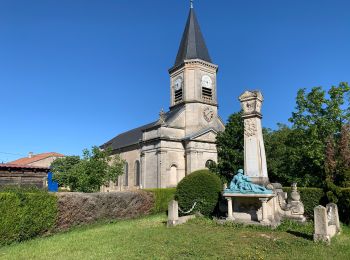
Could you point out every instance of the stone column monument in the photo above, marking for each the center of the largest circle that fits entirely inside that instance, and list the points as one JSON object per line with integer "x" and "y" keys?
{"x": 254, "y": 149}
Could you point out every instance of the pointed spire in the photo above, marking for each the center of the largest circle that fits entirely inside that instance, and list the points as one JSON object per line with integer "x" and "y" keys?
{"x": 192, "y": 45}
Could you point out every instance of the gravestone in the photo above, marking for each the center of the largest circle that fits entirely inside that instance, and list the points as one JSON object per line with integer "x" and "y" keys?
{"x": 333, "y": 219}
{"x": 173, "y": 213}
{"x": 326, "y": 221}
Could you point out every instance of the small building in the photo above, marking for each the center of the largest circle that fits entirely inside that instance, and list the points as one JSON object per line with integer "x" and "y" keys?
{"x": 23, "y": 175}
{"x": 38, "y": 160}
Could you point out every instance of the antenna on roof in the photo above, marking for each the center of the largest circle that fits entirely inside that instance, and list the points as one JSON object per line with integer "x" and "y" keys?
{"x": 191, "y": 4}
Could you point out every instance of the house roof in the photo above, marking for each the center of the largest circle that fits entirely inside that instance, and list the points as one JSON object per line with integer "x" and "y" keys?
{"x": 192, "y": 44}
{"x": 35, "y": 158}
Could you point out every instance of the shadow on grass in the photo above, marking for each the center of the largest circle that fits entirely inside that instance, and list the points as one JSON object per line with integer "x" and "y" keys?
{"x": 300, "y": 234}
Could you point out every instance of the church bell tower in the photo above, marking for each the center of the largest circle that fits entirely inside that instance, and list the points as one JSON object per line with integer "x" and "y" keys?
{"x": 193, "y": 78}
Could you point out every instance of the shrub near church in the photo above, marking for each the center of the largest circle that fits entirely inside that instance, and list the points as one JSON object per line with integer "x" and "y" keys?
{"x": 201, "y": 187}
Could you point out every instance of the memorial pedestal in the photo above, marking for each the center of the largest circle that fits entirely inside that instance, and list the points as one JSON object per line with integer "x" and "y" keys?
{"x": 250, "y": 207}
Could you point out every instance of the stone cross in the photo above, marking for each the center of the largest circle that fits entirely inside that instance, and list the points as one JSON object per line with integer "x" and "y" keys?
{"x": 254, "y": 148}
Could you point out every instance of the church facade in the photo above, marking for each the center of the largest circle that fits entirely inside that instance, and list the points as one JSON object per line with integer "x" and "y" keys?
{"x": 182, "y": 140}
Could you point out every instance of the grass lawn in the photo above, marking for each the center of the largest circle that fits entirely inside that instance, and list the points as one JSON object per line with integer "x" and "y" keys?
{"x": 148, "y": 238}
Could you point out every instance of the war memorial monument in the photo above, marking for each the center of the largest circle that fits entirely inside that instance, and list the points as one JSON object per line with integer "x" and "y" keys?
{"x": 251, "y": 198}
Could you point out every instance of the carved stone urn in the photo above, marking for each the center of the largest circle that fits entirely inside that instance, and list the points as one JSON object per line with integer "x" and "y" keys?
{"x": 294, "y": 195}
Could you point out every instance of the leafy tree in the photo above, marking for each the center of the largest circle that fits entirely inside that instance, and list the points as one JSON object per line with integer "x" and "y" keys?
{"x": 318, "y": 116}
{"x": 230, "y": 147}
{"x": 285, "y": 163}
{"x": 337, "y": 163}
{"x": 304, "y": 151}
{"x": 95, "y": 168}
{"x": 60, "y": 168}
{"x": 343, "y": 176}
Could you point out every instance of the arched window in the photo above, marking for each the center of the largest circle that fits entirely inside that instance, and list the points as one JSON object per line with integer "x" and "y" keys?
{"x": 126, "y": 174}
{"x": 209, "y": 163}
{"x": 173, "y": 176}
{"x": 137, "y": 173}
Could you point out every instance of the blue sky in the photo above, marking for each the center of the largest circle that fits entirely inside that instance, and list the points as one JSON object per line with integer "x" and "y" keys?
{"x": 76, "y": 73}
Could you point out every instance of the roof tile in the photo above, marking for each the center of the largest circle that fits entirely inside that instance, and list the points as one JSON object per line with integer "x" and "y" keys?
{"x": 35, "y": 158}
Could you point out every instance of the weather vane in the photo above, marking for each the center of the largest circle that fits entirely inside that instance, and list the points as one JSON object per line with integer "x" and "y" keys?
{"x": 191, "y": 3}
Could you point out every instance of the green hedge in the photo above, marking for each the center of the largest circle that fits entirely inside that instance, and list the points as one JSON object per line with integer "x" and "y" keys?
{"x": 202, "y": 187}
{"x": 25, "y": 215}
{"x": 344, "y": 206}
{"x": 311, "y": 197}
{"x": 162, "y": 197}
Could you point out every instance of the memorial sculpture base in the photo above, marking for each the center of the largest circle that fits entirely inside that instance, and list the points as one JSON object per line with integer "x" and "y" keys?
{"x": 248, "y": 208}
{"x": 251, "y": 203}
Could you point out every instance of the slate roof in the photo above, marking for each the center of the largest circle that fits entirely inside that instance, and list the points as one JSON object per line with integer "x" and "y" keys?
{"x": 35, "y": 158}
{"x": 127, "y": 138}
{"x": 134, "y": 136}
{"x": 192, "y": 45}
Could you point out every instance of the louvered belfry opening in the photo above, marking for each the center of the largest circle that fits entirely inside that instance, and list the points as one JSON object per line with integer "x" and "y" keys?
{"x": 207, "y": 94}
{"x": 178, "y": 95}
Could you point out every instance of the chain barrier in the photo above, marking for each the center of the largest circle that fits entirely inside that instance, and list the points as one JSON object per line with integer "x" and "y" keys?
{"x": 189, "y": 211}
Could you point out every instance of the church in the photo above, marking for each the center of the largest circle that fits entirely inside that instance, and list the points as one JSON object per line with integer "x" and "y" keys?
{"x": 182, "y": 140}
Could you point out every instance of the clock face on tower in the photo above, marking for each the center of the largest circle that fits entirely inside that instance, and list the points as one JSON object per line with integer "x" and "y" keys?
{"x": 208, "y": 114}
{"x": 178, "y": 84}
{"x": 206, "y": 82}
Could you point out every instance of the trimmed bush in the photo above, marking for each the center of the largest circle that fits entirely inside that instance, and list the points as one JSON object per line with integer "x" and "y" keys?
{"x": 201, "y": 186}
{"x": 162, "y": 197}
{"x": 26, "y": 215}
{"x": 311, "y": 197}
{"x": 344, "y": 206}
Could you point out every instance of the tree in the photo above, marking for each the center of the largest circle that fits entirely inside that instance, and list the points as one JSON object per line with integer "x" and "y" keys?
{"x": 337, "y": 161}
{"x": 304, "y": 152}
{"x": 95, "y": 168}
{"x": 230, "y": 147}
{"x": 342, "y": 171}
{"x": 60, "y": 168}
{"x": 319, "y": 115}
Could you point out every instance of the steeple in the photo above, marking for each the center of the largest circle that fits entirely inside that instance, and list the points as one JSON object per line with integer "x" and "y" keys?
{"x": 192, "y": 45}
